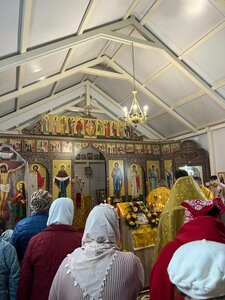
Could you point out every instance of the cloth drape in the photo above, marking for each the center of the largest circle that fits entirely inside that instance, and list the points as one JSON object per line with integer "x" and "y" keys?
{"x": 172, "y": 217}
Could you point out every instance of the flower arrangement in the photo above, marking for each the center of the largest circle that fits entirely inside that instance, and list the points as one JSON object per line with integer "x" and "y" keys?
{"x": 136, "y": 208}
{"x": 153, "y": 218}
{"x": 132, "y": 220}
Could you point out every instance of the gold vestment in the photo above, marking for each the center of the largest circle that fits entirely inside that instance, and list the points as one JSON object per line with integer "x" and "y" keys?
{"x": 159, "y": 196}
{"x": 207, "y": 192}
{"x": 172, "y": 216}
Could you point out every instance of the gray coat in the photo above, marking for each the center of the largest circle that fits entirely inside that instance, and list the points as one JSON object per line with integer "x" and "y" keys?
{"x": 9, "y": 271}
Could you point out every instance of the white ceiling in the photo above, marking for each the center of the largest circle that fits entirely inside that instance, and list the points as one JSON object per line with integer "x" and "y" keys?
{"x": 60, "y": 57}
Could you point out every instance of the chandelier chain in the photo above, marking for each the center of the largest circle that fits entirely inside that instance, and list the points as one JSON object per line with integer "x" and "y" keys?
{"x": 133, "y": 66}
{"x": 135, "y": 115}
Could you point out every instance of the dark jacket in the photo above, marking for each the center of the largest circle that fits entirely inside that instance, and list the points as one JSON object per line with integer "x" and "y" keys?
{"x": 9, "y": 271}
{"x": 44, "y": 255}
{"x": 26, "y": 229}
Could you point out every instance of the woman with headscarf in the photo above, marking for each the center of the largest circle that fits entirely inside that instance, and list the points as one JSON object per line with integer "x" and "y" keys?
{"x": 46, "y": 251}
{"x": 201, "y": 222}
{"x": 26, "y": 228}
{"x": 98, "y": 270}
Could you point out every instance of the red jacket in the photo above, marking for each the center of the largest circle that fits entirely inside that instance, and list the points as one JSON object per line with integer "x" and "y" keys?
{"x": 44, "y": 254}
{"x": 204, "y": 227}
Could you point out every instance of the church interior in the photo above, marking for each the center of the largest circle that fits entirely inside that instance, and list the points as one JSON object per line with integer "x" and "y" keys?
{"x": 102, "y": 101}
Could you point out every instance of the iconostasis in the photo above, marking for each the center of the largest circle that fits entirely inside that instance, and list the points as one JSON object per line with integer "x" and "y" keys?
{"x": 129, "y": 169}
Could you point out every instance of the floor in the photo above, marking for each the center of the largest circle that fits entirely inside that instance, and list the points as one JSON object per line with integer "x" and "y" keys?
{"x": 144, "y": 295}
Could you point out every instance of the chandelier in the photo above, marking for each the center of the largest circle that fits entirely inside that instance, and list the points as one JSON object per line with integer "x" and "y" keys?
{"x": 135, "y": 115}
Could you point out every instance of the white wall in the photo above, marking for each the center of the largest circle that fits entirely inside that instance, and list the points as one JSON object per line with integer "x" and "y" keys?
{"x": 219, "y": 146}
{"x": 201, "y": 140}
{"x": 214, "y": 143}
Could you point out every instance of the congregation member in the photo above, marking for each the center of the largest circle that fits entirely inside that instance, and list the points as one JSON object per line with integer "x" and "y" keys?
{"x": 9, "y": 268}
{"x": 207, "y": 192}
{"x": 197, "y": 269}
{"x": 98, "y": 269}
{"x": 216, "y": 187}
{"x": 201, "y": 222}
{"x": 7, "y": 235}
{"x": 180, "y": 173}
{"x": 26, "y": 228}
{"x": 172, "y": 216}
{"x": 46, "y": 250}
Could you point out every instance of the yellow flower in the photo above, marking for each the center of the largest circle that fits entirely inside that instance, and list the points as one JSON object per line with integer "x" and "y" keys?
{"x": 131, "y": 223}
{"x": 136, "y": 222}
{"x": 157, "y": 219}
{"x": 153, "y": 221}
{"x": 149, "y": 215}
{"x": 135, "y": 209}
{"x": 128, "y": 216}
{"x": 134, "y": 216}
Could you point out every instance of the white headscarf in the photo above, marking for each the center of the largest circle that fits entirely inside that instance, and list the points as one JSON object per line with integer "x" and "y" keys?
{"x": 61, "y": 212}
{"x": 198, "y": 269}
{"x": 89, "y": 265}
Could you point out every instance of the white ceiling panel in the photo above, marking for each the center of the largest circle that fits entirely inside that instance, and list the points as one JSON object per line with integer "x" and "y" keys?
{"x": 117, "y": 89}
{"x": 9, "y": 20}
{"x": 7, "y": 107}
{"x": 193, "y": 28}
{"x": 202, "y": 112}
{"x": 54, "y": 19}
{"x": 114, "y": 46}
{"x": 172, "y": 85}
{"x": 195, "y": 66}
{"x": 153, "y": 62}
{"x": 220, "y": 5}
{"x": 91, "y": 78}
{"x": 142, "y": 8}
{"x": 7, "y": 81}
{"x": 85, "y": 52}
{"x": 42, "y": 68}
{"x": 221, "y": 91}
{"x": 209, "y": 57}
{"x": 167, "y": 125}
{"x": 34, "y": 96}
{"x": 112, "y": 49}
{"x": 107, "y": 11}
{"x": 182, "y": 23}
{"x": 69, "y": 81}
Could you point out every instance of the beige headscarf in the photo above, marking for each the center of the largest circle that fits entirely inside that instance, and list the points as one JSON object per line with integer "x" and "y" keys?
{"x": 172, "y": 217}
{"x": 90, "y": 264}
